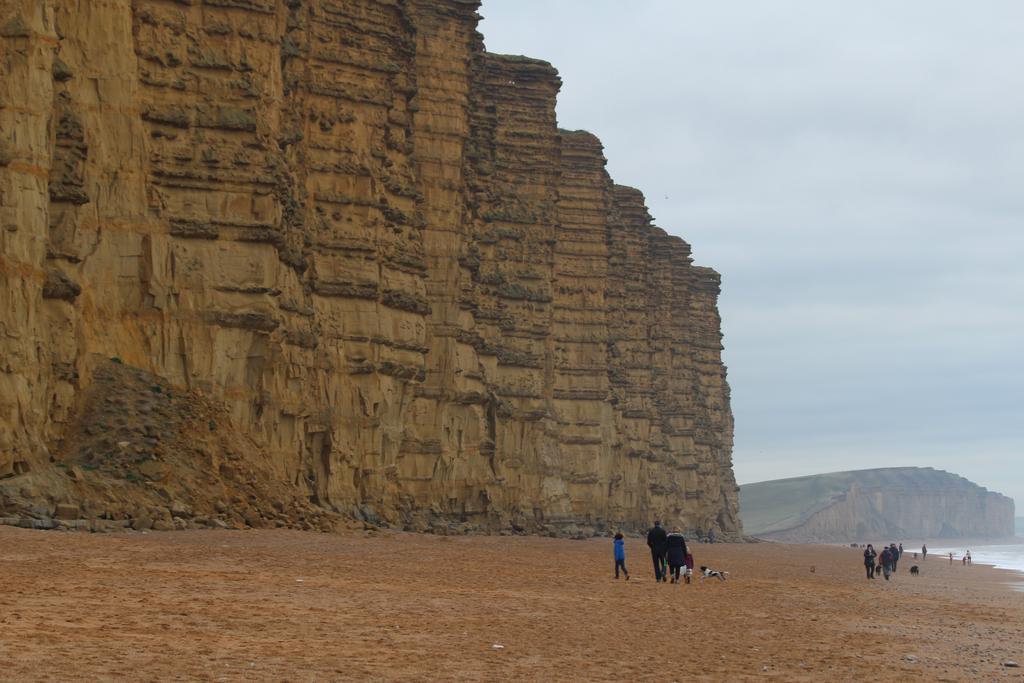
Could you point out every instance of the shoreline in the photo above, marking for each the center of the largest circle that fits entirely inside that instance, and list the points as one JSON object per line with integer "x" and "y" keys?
{"x": 984, "y": 558}
{"x": 913, "y": 545}
{"x": 980, "y": 557}
{"x": 273, "y": 605}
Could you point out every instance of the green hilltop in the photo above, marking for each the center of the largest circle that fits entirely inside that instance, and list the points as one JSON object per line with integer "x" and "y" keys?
{"x": 902, "y": 501}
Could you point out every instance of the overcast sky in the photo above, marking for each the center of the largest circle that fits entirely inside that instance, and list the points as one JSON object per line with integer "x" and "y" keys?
{"x": 854, "y": 171}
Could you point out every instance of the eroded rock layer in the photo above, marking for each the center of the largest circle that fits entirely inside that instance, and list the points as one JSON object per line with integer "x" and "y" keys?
{"x": 365, "y": 237}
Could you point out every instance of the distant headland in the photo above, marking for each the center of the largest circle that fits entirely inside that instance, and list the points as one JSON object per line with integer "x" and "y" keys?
{"x": 896, "y": 502}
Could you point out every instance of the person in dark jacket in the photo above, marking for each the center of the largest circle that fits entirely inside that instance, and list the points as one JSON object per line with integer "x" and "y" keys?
{"x": 656, "y": 538}
{"x": 885, "y": 559}
{"x": 675, "y": 546}
{"x": 869, "y": 560}
{"x": 620, "y": 555}
{"x": 894, "y": 556}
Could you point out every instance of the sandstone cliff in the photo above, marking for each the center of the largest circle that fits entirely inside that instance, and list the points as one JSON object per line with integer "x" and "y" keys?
{"x": 362, "y": 238}
{"x": 872, "y": 505}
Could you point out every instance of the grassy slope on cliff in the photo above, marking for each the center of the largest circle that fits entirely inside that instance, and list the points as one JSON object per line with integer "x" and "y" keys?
{"x": 784, "y": 503}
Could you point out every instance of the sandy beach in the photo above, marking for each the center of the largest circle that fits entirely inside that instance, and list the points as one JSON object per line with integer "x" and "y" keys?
{"x": 293, "y": 606}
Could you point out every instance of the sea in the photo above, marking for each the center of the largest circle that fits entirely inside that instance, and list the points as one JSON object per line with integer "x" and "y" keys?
{"x": 1000, "y": 556}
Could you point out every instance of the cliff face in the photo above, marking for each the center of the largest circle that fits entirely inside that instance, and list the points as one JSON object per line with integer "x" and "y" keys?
{"x": 884, "y": 504}
{"x": 365, "y": 237}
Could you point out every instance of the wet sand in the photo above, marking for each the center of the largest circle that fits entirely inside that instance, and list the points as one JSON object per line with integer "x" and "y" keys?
{"x": 294, "y": 606}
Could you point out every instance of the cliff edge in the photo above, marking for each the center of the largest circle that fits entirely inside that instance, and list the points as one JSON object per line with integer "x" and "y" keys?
{"x": 355, "y": 250}
{"x": 865, "y": 505}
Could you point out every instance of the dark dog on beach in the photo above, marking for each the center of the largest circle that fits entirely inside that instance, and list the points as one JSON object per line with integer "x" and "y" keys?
{"x": 709, "y": 573}
{"x": 878, "y": 570}
{"x": 914, "y": 570}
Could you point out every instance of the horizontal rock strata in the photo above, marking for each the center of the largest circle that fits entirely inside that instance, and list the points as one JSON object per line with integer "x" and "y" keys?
{"x": 365, "y": 237}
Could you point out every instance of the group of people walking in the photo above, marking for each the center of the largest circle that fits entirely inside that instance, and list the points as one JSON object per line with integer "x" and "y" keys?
{"x": 884, "y": 562}
{"x": 672, "y": 559}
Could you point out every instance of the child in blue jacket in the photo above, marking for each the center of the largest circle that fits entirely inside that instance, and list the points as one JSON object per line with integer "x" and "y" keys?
{"x": 620, "y": 556}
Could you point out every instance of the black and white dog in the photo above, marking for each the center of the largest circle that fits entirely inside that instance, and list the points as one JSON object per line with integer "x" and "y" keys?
{"x": 709, "y": 573}
{"x": 914, "y": 570}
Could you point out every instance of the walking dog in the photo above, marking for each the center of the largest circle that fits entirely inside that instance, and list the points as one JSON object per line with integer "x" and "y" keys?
{"x": 709, "y": 573}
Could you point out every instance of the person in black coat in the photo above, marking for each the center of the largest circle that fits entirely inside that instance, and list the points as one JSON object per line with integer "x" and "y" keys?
{"x": 656, "y": 539}
{"x": 885, "y": 559}
{"x": 675, "y": 545}
{"x": 869, "y": 561}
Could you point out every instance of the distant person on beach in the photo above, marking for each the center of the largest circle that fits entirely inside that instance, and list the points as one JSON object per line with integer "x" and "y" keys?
{"x": 951, "y": 558}
{"x": 968, "y": 557}
{"x": 901, "y": 551}
{"x": 656, "y": 539}
{"x": 924, "y": 552}
{"x": 620, "y": 555}
{"x": 886, "y": 561}
{"x": 675, "y": 545}
{"x": 894, "y": 556}
{"x": 869, "y": 560}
